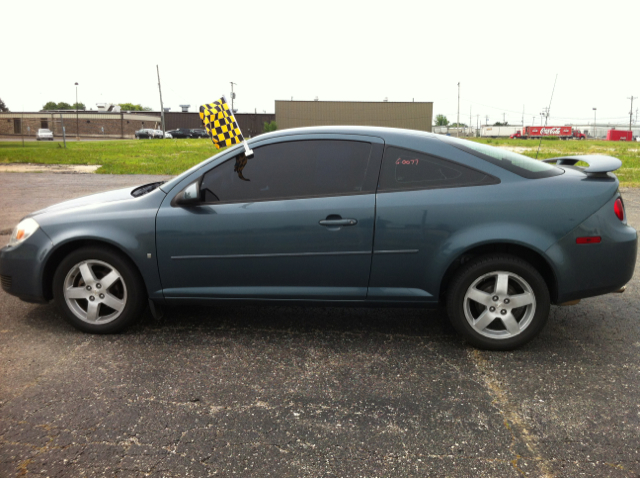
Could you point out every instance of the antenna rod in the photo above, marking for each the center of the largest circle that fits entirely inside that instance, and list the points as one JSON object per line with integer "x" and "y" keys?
{"x": 546, "y": 115}
{"x": 161, "y": 106}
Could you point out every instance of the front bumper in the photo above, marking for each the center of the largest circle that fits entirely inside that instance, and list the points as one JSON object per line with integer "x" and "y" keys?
{"x": 22, "y": 266}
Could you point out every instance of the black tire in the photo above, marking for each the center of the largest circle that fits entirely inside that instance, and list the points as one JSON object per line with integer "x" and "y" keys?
{"x": 77, "y": 290}
{"x": 524, "y": 285}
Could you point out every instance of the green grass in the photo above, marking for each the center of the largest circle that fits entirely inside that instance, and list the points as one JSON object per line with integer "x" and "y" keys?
{"x": 171, "y": 157}
{"x": 152, "y": 157}
{"x": 627, "y": 152}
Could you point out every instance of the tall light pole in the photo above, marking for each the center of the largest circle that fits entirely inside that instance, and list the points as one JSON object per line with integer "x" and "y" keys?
{"x": 594, "y": 122}
{"x": 77, "y": 122}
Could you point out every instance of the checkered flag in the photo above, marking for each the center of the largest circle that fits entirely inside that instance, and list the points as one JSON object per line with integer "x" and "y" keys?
{"x": 221, "y": 125}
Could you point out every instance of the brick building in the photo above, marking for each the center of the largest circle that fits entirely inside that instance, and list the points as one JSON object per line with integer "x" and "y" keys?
{"x": 251, "y": 124}
{"x": 87, "y": 123}
{"x": 114, "y": 125}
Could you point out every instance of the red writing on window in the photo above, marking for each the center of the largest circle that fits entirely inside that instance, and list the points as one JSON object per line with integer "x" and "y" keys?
{"x": 401, "y": 161}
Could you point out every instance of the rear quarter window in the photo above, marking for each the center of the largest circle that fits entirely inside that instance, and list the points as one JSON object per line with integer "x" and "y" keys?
{"x": 404, "y": 169}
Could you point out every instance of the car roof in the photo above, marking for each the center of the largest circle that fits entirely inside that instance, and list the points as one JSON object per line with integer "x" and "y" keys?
{"x": 382, "y": 132}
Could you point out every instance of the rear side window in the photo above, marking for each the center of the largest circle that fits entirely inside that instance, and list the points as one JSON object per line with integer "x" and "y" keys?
{"x": 513, "y": 162}
{"x": 295, "y": 169}
{"x": 410, "y": 170}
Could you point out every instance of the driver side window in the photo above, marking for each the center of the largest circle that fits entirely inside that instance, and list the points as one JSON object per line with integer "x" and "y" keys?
{"x": 296, "y": 169}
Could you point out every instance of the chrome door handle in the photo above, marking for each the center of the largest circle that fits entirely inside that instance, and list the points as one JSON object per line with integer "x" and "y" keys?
{"x": 340, "y": 222}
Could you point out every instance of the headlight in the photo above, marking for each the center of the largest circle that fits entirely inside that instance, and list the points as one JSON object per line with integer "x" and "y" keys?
{"x": 24, "y": 229}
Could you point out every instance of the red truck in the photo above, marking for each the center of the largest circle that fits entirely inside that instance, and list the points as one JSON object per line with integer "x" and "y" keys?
{"x": 619, "y": 135}
{"x": 562, "y": 132}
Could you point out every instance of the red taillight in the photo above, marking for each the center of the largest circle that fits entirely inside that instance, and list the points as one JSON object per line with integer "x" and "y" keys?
{"x": 619, "y": 209}
{"x": 588, "y": 240}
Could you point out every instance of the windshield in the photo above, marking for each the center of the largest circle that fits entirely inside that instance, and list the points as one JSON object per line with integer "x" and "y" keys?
{"x": 509, "y": 160}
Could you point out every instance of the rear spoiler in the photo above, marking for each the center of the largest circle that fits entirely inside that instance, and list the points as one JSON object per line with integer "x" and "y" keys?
{"x": 599, "y": 165}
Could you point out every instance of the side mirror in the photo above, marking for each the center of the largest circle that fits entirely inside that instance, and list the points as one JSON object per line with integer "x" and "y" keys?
{"x": 189, "y": 196}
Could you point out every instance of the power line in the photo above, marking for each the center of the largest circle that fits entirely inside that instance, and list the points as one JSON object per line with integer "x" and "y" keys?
{"x": 561, "y": 117}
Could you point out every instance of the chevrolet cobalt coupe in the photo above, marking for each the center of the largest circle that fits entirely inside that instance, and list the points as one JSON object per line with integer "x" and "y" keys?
{"x": 339, "y": 215}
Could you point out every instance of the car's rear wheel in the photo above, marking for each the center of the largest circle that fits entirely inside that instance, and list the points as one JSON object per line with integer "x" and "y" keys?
{"x": 498, "y": 302}
{"x": 99, "y": 290}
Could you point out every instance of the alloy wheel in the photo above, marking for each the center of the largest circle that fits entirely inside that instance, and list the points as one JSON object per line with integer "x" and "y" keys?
{"x": 95, "y": 292}
{"x": 499, "y": 305}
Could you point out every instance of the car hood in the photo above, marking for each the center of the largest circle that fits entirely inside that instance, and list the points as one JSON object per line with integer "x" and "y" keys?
{"x": 123, "y": 194}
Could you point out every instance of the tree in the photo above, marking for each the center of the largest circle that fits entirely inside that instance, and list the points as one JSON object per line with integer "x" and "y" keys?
{"x": 441, "y": 120}
{"x": 52, "y": 105}
{"x": 132, "y": 107}
{"x": 3, "y": 107}
{"x": 269, "y": 126}
{"x": 78, "y": 106}
{"x": 454, "y": 125}
{"x": 497, "y": 123}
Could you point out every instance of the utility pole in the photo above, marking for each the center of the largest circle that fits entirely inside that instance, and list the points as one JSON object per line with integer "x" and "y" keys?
{"x": 522, "y": 116}
{"x": 544, "y": 114}
{"x": 458, "y": 121}
{"x": 161, "y": 105}
{"x": 631, "y": 110}
{"x": 595, "y": 110}
{"x": 233, "y": 96}
{"x": 504, "y": 120}
{"x": 470, "y": 118}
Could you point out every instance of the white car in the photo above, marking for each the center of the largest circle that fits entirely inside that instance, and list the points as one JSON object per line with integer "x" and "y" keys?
{"x": 44, "y": 134}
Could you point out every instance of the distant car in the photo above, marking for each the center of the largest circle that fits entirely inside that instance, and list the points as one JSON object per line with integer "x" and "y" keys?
{"x": 180, "y": 133}
{"x": 340, "y": 215}
{"x": 44, "y": 134}
{"x": 145, "y": 133}
{"x": 199, "y": 133}
{"x": 161, "y": 134}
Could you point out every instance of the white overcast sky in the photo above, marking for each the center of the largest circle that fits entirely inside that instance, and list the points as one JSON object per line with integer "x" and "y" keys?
{"x": 504, "y": 54}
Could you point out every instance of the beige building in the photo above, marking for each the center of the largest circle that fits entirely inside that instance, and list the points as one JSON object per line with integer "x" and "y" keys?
{"x": 86, "y": 123}
{"x": 410, "y": 115}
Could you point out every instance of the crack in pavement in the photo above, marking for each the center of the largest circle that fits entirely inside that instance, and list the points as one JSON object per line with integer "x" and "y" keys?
{"x": 513, "y": 420}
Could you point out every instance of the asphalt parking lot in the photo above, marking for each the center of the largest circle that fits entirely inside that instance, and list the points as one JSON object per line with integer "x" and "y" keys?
{"x": 289, "y": 391}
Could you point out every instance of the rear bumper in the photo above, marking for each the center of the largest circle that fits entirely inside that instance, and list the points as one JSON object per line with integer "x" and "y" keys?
{"x": 585, "y": 270}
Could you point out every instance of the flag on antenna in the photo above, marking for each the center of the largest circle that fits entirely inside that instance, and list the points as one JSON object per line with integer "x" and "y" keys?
{"x": 221, "y": 125}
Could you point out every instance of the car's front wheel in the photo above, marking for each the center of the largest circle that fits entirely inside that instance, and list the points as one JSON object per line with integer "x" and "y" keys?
{"x": 498, "y": 302}
{"x": 99, "y": 290}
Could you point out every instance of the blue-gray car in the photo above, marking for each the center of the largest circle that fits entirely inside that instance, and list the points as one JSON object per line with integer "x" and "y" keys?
{"x": 339, "y": 216}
